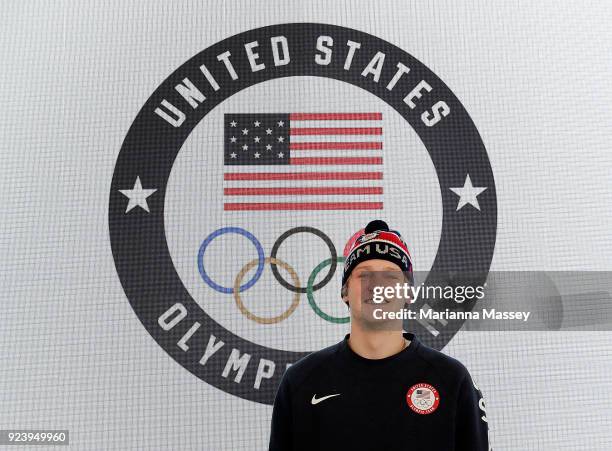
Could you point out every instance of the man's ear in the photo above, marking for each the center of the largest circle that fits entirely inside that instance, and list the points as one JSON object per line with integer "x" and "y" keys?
{"x": 344, "y": 294}
{"x": 408, "y": 277}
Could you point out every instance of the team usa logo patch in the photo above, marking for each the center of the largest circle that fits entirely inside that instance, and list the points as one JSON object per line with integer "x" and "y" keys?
{"x": 423, "y": 398}
{"x": 368, "y": 237}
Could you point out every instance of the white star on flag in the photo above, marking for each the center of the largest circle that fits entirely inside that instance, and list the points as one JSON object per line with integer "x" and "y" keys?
{"x": 137, "y": 196}
{"x": 467, "y": 194}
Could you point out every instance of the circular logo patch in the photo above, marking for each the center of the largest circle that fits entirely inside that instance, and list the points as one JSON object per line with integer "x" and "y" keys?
{"x": 423, "y": 398}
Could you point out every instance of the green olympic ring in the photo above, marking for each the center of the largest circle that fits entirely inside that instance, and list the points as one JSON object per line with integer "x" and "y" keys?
{"x": 309, "y": 293}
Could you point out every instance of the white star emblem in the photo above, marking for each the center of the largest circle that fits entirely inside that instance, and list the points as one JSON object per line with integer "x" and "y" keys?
{"x": 233, "y": 139}
{"x": 281, "y": 123}
{"x": 233, "y": 123}
{"x": 256, "y": 123}
{"x": 245, "y": 131}
{"x": 268, "y": 131}
{"x": 257, "y": 154}
{"x": 467, "y": 194}
{"x": 137, "y": 196}
{"x": 281, "y": 139}
{"x": 245, "y": 147}
{"x": 280, "y": 155}
{"x": 257, "y": 138}
{"x": 268, "y": 146}
{"x": 233, "y": 155}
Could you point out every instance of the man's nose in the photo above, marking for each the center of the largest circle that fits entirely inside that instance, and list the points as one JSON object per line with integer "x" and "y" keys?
{"x": 374, "y": 281}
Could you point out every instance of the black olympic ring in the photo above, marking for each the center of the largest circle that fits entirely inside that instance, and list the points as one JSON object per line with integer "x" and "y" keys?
{"x": 330, "y": 245}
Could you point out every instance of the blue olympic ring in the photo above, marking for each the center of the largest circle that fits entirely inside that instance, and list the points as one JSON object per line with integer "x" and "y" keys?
{"x": 239, "y": 231}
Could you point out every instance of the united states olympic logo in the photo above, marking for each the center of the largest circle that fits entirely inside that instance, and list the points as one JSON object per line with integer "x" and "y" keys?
{"x": 138, "y": 192}
{"x": 423, "y": 398}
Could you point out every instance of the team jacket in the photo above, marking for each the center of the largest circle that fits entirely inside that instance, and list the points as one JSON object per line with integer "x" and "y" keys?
{"x": 417, "y": 399}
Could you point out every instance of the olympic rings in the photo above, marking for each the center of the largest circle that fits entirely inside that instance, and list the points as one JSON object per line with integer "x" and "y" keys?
{"x": 311, "y": 301}
{"x": 273, "y": 261}
{"x": 260, "y": 319}
{"x": 321, "y": 235}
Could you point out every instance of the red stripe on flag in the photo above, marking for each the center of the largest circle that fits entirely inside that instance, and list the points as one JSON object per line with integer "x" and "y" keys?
{"x": 335, "y": 146}
{"x": 335, "y": 116}
{"x": 336, "y": 131}
{"x": 348, "y": 190}
{"x": 336, "y": 160}
{"x": 304, "y": 206}
{"x": 303, "y": 176}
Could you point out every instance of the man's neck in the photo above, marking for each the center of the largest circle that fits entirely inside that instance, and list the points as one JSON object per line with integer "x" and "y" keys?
{"x": 376, "y": 344}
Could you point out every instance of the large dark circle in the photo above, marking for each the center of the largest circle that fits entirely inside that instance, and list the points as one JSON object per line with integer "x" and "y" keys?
{"x": 138, "y": 239}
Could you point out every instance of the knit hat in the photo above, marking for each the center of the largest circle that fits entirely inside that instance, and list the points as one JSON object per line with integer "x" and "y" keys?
{"x": 377, "y": 241}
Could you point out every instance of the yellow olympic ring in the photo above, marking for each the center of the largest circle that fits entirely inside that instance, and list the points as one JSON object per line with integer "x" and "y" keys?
{"x": 261, "y": 319}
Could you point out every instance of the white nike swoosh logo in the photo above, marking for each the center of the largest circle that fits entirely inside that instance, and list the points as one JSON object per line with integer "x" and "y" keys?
{"x": 314, "y": 399}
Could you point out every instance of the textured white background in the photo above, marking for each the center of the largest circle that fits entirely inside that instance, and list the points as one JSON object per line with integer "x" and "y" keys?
{"x": 535, "y": 78}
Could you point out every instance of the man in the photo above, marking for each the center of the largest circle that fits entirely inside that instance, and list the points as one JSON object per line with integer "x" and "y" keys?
{"x": 379, "y": 388}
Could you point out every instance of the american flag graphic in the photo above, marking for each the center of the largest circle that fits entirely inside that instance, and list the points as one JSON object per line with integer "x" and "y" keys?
{"x": 303, "y": 161}
{"x": 423, "y": 394}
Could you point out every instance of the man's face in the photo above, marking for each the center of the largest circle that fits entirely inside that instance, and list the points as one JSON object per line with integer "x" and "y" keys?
{"x": 367, "y": 277}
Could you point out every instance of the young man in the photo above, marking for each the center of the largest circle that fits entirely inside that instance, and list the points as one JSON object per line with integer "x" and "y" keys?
{"x": 379, "y": 388}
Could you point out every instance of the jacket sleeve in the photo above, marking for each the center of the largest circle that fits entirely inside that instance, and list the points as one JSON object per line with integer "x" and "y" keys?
{"x": 471, "y": 427}
{"x": 281, "y": 433}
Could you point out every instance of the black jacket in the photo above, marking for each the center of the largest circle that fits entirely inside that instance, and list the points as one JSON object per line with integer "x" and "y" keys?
{"x": 417, "y": 399}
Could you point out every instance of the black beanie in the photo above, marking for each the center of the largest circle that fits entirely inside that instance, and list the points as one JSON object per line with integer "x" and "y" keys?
{"x": 377, "y": 241}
